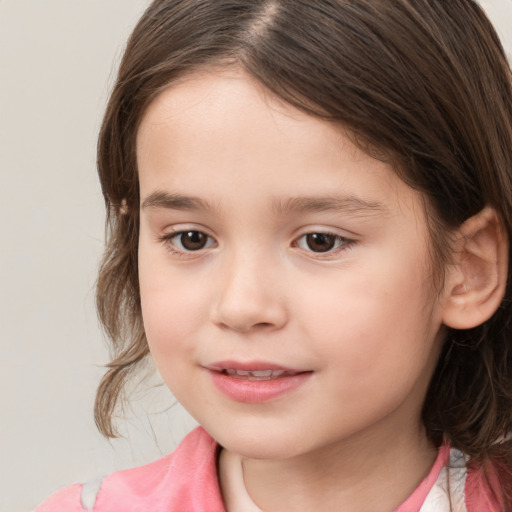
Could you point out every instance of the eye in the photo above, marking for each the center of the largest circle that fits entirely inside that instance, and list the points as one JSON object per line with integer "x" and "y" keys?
{"x": 321, "y": 242}
{"x": 189, "y": 241}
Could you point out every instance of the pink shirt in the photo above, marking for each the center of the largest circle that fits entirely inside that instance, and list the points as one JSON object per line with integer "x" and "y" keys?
{"x": 186, "y": 480}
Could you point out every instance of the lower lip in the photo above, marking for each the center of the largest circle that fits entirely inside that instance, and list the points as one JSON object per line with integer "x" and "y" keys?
{"x": 257, "y": 391}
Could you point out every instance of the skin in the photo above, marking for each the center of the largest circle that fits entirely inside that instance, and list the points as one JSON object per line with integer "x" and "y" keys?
{"x": 362, "y": 318}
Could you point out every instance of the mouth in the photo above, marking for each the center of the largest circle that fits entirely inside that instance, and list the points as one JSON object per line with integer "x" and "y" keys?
{"x": 255, "y": 382}
{"x": 257, "y": 374}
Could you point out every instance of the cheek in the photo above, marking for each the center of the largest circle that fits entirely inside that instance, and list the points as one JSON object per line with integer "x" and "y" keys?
{"x": 377, "y": 341}
{"x": 373, "y": 319}
{"x": 172, "y": 306}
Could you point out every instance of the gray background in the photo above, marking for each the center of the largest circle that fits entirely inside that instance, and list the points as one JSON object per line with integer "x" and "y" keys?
{"x": 57, "y": 62}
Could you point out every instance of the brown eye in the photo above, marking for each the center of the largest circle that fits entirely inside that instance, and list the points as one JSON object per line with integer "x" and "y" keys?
{"x": 320, "y": 242}
{"x": 191, "y": 240}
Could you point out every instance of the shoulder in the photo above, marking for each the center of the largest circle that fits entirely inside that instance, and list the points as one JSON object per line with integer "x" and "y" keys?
{"x": 463, "y": 487}
{"x": 450, "y": 485}
{"x": 479, "y": 494}
{"x": 65, "y": 500}
{"x": 186, "y": 478}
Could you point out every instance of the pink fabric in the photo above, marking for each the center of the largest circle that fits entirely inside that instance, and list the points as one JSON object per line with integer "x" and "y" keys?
{"x": 187, "y": 480}
{"x": 414, "y": 502}
{"x": 65, "y": 500}
{"x": 478, "y": 495}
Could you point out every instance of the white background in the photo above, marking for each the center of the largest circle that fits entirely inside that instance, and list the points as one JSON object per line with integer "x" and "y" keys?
{"x": 57, "y": 63}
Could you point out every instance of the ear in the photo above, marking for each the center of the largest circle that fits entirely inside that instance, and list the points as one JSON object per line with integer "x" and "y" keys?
{"x": 122, "y": 208}
{"x": 475, "y": 282}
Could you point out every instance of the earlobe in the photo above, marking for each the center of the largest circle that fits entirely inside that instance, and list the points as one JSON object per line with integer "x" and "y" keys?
{"x": 475, "y": 282}
{"x": 122, "y": 208}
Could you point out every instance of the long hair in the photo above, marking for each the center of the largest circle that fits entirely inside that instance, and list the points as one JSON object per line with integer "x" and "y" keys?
{"x": 424, "y": 84}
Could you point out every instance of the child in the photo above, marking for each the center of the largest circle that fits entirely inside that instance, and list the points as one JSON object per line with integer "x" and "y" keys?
{"x": 309, "y": 213}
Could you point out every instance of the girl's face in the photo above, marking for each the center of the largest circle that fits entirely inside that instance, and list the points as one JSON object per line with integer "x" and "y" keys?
{"x": 285, "y": 275}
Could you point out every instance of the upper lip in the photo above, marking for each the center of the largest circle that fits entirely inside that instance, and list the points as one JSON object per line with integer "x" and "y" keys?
{"x": 220, "y": 366}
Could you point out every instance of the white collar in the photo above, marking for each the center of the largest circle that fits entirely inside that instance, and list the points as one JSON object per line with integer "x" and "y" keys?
{"x": 448, "y": 493}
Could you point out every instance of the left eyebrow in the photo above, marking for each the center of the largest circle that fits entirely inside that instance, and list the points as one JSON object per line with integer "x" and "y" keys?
{"x": 347, "y": 204}
{"x": 160, "y": 199}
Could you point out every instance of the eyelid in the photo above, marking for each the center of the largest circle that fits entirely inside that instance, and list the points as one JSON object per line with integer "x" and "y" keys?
{"x": 175, "y": 231}
{"x": 346, "y": 242}
{"x": 338, "y": 239}
{"x": 179, "y": 234}
{"x": 343, "y": 242}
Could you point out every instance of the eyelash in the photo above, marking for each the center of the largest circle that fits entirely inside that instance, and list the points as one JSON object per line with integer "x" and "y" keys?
{"x": 168, "y": 241}
{"x": 341, "y": 243}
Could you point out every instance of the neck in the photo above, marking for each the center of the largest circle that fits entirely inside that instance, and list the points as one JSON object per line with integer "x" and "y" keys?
{"x": 364, "y": 474}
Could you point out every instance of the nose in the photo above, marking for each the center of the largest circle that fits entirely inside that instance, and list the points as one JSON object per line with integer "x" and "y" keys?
{"x": 251, "y": 295}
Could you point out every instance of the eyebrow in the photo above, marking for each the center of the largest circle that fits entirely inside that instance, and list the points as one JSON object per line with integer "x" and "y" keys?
{"x": 160, "y": 199}
{"x": 347, "y": 204}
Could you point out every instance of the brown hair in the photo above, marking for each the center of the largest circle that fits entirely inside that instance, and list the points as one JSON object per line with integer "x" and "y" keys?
{"x": 423, "y": 82}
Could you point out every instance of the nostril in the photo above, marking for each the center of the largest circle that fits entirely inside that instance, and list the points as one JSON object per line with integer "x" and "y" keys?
{"x": 263, "y": 325}
{"x": 246, "y": 327}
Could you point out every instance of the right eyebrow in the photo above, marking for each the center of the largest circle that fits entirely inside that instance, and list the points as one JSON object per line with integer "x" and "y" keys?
{"x": 350, "y": 204}
{"x": 160, "y": 199}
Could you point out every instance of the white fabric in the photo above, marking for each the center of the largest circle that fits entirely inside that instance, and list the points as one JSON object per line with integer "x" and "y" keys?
{"x": 235, "y": 495}
{"x": 447, "y": 494}
{"x": 90, "y": 492}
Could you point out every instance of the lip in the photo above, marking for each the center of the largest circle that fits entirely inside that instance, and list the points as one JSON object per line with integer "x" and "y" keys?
{"x": 250, "y": 365}
{"x": 243, "y": 389}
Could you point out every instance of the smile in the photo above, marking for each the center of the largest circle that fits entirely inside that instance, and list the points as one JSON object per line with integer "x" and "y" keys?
{"x": 255, "y": 382}
{"x": 256, "y": 374}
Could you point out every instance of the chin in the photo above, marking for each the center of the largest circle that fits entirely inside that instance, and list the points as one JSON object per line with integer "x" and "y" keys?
{"x": 261, "y": 444}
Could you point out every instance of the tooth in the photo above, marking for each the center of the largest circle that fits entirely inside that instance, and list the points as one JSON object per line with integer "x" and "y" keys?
{"x": 262, "y": 373}
{"x": 257, "y": 374}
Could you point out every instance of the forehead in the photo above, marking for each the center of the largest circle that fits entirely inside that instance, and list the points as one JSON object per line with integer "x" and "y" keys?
{"x": 222, "y": 123}
{"x": 215, "y": 98}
